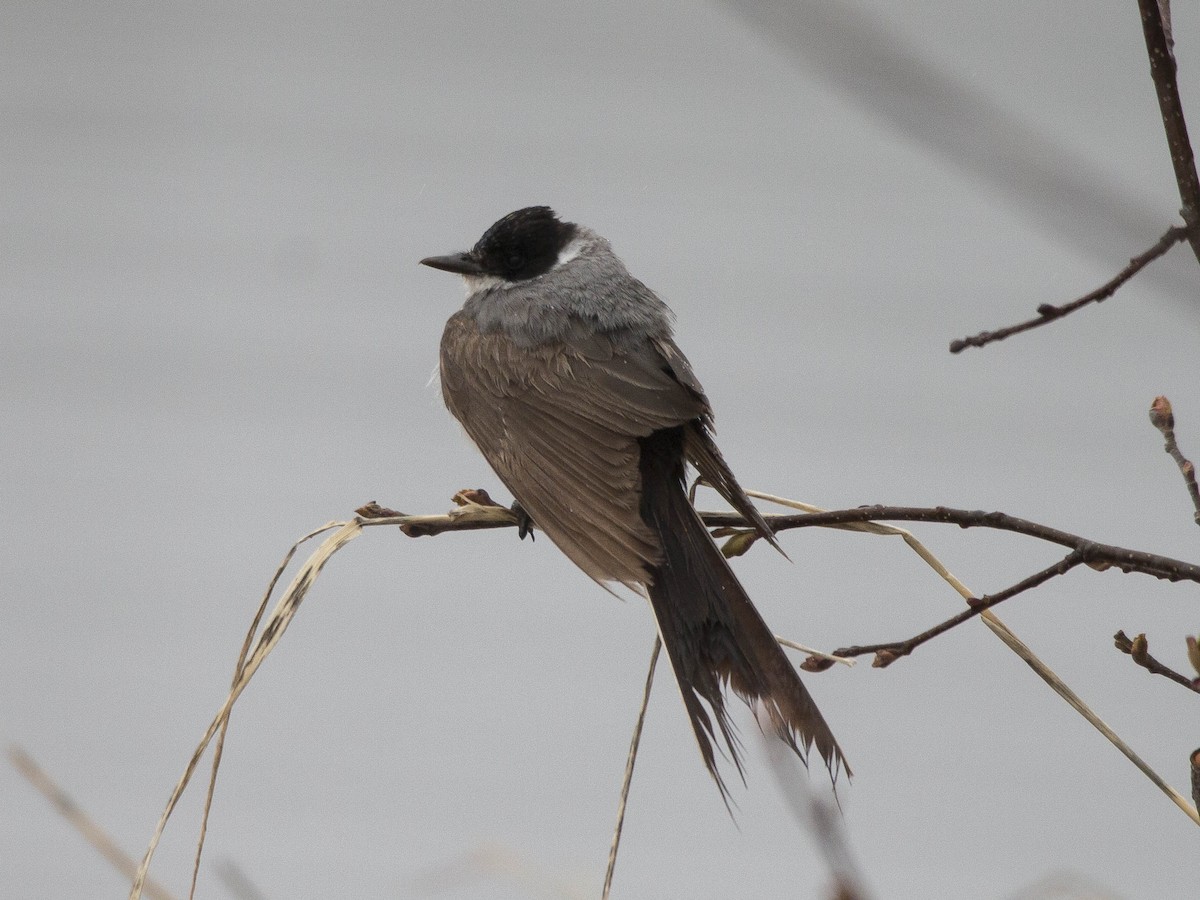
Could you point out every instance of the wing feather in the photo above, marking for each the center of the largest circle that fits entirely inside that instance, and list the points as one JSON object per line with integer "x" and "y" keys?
{"x": 560, "y": 424}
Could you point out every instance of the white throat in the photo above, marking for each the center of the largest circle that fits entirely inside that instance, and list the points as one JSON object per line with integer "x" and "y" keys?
{"x": 478, "y": 283}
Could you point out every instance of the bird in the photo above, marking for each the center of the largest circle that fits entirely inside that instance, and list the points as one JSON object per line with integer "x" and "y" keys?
{"x": 562, "y": 369}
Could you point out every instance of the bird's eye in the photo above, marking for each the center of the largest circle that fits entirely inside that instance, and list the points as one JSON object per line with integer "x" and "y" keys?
{"x": 515, "y": 261}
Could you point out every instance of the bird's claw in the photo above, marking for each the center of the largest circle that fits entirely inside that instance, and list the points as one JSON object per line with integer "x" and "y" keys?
{"x": 524, "y": 522}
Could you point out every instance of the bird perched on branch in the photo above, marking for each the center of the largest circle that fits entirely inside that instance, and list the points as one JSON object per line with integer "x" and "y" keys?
{"x": 562, "y": 369}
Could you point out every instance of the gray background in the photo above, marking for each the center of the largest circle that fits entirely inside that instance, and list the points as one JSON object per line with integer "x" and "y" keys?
{"x": 214, "y": 336}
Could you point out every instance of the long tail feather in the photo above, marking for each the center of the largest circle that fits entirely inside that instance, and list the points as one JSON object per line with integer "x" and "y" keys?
{"x": 711, "y": 630}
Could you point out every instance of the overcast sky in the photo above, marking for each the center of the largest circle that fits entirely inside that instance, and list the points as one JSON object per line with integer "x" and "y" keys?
{"x": 214, "y": 337}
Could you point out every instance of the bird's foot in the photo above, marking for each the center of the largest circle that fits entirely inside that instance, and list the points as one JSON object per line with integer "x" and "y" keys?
{"x": 524, "y": 522}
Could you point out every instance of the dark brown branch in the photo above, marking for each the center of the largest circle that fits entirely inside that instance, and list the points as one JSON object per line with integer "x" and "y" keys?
{"x": 886, "y": 654}
{"x": 428, "y": 526}
{"x": 1162, "y": 70}
{"x": 1048, "y": 312}
{"x": 1095, "y": 554}
{"x": 1194, "y": 759}
{"x": 1139, "y": 651}
{"x": 1098, "y": 556}
{"x": 1163, "y": 418}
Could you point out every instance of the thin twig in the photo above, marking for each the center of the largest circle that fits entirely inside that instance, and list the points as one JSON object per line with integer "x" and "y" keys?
{"x": 1166, "y": 88}
{"x": 1194, "y": 759}
{"x": 1021, "y": 649}
{"x": 1162, "y": 70}
{"x": 92, "y": 833}
{"x": 1048, "y": 312}
{"x": 1163, "y": 419}
{"x": 476, "y": 511}
{"x": 848, "y": 883}
{"x": 627, "y": 780}
{"x": 817, "y": 815}
{"x": 277, "y": 622}
{"x": 1138, "y": 650}
{"x": 473, "y": 516}
{"x": 476, "y": 514}
{"x": 886, "y": 654}
{"x": 1095, "y": 554}
{"x": 219, "y": 746}
{"x": 1076, "y": 702}
{"x": 820, "y": 656}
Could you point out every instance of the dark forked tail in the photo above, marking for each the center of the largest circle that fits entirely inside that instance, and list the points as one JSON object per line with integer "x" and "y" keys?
{"x": 712, "y": 633}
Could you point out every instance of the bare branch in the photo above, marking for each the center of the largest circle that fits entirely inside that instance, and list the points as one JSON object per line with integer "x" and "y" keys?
{"x": 1139, "y": 651}
{"x": 219, "y": 745}
{"x": 1162, "y": 417}
{"x": 1010, "y": 640}
{"x": 474, "y": 516}
{"x": 1048, "y": 312}
{"x": 476, "y": 510}
{"x": 1096, "y": 555}
{"x": 818, "y": 815}
{"x": 1195, "y": 761}
{"x": 92, "y": 833}
{"x": 886, "y": 654}
{"x": 1162, "y": 70}
{"x": 273, "y": 629}
{"x": 628, "y": 777}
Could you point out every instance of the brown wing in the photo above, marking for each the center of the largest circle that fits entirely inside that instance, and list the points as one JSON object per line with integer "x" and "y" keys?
{"x": 560, "y": 424}
{"x": 701, "y": 450}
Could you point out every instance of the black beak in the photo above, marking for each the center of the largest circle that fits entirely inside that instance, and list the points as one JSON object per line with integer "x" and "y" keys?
{"x": 460, "y": 263}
